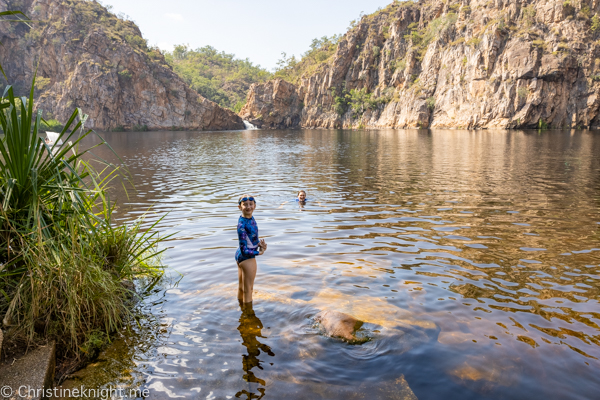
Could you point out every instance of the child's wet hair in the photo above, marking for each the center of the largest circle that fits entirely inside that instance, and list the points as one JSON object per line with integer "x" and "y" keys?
{"x": 301, "y": 191}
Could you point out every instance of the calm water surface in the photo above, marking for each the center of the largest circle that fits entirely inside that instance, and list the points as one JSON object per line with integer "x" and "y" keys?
{"x": 474, "y": 258}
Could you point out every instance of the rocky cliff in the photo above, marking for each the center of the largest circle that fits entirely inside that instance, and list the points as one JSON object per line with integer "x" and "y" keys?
{"x": 463, "y": 64}
{"x": 90, "y": 58}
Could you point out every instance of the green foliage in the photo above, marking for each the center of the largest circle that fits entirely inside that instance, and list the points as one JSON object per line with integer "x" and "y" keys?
{"x": 340, "y": 103}
{"x": 539, "y": 43}
{"x": 595, "y": 78}
{"x": 528, "y": 15}
{"x": 595, "y": 27}
{"x": 522, "y": 92}
{"x": 33, "y": 35}
{"x": 386, "y": 32}
{"x": 90, "y": 16}
{"x": 464, "y": 60}
{"x": 136, "y": 41}
{"x": 430, "y": 103}
{"x": 422, "y": 38}
{"x": 399, "y": 65}
{"x": 218, "y": 76}
{"x": 457, "y": 41}
{"x": 542, "y": 125}
{"x": 358, "y": 100}
{"x": 140, "y": 128}
{"x": 454, "y": 7}
{"x": 474, "y": 42}
{"x": 320, "y": 51}
{"x": 41, "y": 83}
{"x": 584, "y": 13}
{"x": 51, "y": 125}
{"x": 376, "y": 51}
{"x": 239, "y": 105}
{"x": 125, "y": 74}
{"x": 62, "y": 259}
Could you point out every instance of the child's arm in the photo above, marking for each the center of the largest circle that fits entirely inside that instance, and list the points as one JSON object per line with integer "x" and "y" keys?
{"x": 243, "y": 241}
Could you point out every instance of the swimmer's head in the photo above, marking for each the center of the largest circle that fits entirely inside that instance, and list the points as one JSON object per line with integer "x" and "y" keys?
{"x": 301, "y": 195}
{"x": 247, "y": 204}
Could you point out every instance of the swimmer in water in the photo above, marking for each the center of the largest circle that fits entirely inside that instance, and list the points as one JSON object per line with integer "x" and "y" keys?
{"x": 301, "y": 200}
{"x": 250, "y": 246}
{"x": 301, "y": 197}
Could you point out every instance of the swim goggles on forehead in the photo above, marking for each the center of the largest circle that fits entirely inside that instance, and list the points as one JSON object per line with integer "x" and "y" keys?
{"x": 246, "y": 199}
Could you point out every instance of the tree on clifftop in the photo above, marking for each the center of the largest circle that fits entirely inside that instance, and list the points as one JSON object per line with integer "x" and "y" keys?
{"x": 216, "y": 75}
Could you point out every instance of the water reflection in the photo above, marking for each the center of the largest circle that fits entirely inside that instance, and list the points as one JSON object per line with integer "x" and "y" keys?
{"x": 250, "y": 329}
{"x": 488, "y": 240}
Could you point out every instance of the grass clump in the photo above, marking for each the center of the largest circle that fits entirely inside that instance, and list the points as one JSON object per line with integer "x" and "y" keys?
{"x": 539, "y": 43}
{"x": 63, "y": 262}
{"x": 474, "y": 42}
{"x": 595, "y": 26}
{"x": 522, "y": 92}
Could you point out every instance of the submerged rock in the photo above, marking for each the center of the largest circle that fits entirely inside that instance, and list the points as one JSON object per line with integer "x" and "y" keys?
{"x": 340, "y": 325}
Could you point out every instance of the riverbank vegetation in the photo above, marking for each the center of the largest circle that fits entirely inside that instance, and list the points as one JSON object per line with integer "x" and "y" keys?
{"x": 216, "y": 75}
{"x": 65, "y": 267}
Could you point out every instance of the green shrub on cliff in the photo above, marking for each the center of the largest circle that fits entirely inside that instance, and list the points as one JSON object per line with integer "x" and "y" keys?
{"x": 421, "y": 38}
{"x": 595, "y": 27}
{"x": 291, "y": 69}
{"x": 218, "y": 76}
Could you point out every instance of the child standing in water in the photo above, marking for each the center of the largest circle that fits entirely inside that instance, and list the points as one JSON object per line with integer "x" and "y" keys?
{"x": 250, "y": 247}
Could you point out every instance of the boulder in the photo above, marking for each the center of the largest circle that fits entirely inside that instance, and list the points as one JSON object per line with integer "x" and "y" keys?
{"x": 338, "y": 324}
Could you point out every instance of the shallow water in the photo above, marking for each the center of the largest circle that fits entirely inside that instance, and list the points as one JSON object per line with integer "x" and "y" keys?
{"x": 474, "y": 258}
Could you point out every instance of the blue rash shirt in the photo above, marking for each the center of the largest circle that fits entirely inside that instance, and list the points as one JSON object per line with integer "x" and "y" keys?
{"x": 247, "y": 231}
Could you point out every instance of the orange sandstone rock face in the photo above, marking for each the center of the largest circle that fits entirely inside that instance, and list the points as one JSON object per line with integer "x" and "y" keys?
{"x": 90, "y": 59}
{"x": 275, "y": 104}
{"x": 469, "y": 64}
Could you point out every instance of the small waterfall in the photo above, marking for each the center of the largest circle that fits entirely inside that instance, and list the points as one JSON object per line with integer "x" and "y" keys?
{"x": 249, "y": 126}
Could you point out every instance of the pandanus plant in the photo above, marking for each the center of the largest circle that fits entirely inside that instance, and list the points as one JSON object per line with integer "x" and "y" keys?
{"x": 62, "y": 259}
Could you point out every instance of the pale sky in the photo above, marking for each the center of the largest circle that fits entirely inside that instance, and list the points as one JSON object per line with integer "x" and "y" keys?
{"x": 256, "y": 29}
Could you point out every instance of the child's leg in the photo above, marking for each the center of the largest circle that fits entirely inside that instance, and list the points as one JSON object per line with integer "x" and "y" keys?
{"x": 240, "y": 284}
{"x": 248, "y": 268}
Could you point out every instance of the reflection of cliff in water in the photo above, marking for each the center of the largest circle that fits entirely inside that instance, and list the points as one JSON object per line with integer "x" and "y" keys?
{"x": 251, "y": 329}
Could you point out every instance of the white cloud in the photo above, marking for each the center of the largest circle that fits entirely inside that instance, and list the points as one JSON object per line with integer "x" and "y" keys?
{"x": 174, "y": 17}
